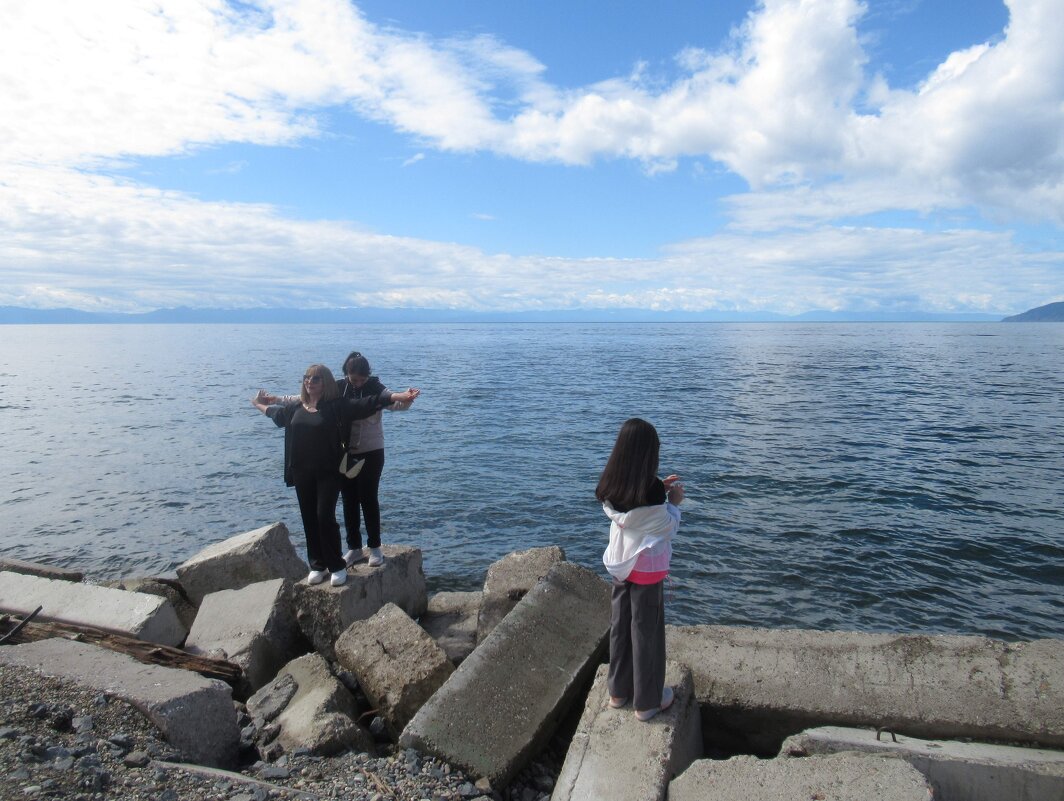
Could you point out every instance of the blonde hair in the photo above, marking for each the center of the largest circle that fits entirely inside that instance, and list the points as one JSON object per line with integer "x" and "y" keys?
{"x": 329, "y": 390}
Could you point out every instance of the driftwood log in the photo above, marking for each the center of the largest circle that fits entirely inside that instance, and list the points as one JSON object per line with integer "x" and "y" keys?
{"x": 147, "y": 652}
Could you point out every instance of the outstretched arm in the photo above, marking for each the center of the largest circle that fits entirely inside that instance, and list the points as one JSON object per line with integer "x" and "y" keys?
{"x": 276, "y": 413}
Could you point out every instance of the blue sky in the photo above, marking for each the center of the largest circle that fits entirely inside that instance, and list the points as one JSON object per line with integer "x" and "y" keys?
{"x": 782, "y": 156}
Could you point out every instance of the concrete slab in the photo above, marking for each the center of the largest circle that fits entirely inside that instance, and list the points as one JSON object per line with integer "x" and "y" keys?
{"x": 759, "y": 686}
{"x": 317, "y": 713}
{"x": 168, "y": 588}
{"x": 509, "y": 579}
{"x": 451, "y": 620}
{"x": 838, "y": 777}
{"x": 195, "y": 714}
{"x": 324, "y": 612}
{"x": 397, "y": 664}
{"x": 39, "y": 569}
{"x": 259, "y": 555}
{"x": 614, "y": 756}
{"x": 146, "y": 617}
{"x": 499, "y": 708}
{"x": 956, "y": 771}
{"x": 254, "y": 627}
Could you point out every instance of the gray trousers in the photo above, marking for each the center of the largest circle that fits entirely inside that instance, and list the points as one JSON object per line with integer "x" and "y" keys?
{"x": 637, "y": 643}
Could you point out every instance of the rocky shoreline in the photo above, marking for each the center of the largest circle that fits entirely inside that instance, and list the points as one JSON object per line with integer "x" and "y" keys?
{"x": 59, "y": 740}
{"x": 240, "y": 682}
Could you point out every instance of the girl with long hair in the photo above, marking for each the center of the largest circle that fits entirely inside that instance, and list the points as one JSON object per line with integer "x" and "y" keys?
{"x": 643, "y": 514}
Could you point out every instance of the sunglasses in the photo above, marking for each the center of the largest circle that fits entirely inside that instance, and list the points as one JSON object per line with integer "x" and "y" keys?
{"x": 312, "y": 379}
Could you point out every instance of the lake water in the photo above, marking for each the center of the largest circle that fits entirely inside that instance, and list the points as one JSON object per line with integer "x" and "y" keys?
{"x": 894, "y": 477}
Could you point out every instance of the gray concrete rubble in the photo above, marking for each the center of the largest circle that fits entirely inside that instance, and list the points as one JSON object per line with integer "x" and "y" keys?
{"x": 509, "y": 579}
{"x": 396, "y": 662}
{"x": 39, "y": 569}
{"x": 146, "y": 617}
{"x": 170, "y": 589}
{"x": 956, "y": 771}
{"x": 254, "y": 627}
{"x": 451, "y": 620}
{"x": 306, "y": 707}
{"x": 324, "y": 612}
{"x": 758, "y": 686}
{"x": 259, "y": 555}
{"x": 838, "y": 777}
{"x": 615, "y": 756}
{"x": 502, "y": 704}
{"x": 195, "y": 714}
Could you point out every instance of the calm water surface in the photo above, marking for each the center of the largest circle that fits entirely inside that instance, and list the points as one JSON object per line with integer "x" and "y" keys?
{"x": 873, "y": 477}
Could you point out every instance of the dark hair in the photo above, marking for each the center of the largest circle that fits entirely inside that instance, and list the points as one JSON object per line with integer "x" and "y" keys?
{"x": 355, "y": 363}
{"x": 632, "y": 466}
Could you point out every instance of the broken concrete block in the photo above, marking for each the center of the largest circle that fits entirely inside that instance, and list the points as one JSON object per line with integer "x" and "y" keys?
{"x": 839, "y": 777}
{"x": 955, "y": 770}
{"x": 195, "y": 714}
{"x": 451, "y": 620}
{"x": 324, "y": 612}
{"x": 396, "y": 662}
{"x": 502, "y": 704}
{"x": 170, "y": 589}
{"x": 254, "y": 627}
{"x": 615, "y": 756}
{"x": 146, "y": 617}
{"x": 758, "y": 686}
{"x": 40, "y": 570}
{"x": 509, "y": 579}
{"x": 259, "y": 555}
{"x": 309, "y": 709}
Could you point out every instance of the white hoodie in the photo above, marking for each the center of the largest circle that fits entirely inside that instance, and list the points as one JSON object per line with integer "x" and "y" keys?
{"x": 643, "y": 529}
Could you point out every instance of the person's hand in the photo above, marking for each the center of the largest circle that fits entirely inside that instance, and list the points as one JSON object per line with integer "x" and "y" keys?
{"x": 266, "y": 398}
{"x": 673, "y": 489}
{"x": 405, "y": 397}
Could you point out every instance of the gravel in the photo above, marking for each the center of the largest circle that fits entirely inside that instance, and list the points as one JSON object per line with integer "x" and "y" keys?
{"x": 58, "y": 740}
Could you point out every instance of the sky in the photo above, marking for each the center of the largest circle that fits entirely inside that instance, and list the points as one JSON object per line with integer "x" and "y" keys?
{"x": 781, "y": 156}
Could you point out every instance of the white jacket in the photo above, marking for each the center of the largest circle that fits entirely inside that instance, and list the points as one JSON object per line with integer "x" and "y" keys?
{"x": 645, "y": 528}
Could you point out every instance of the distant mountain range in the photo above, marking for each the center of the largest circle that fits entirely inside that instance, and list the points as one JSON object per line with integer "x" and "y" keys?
{"x": 1050, "y": 313}
{"x": 18, "y": 315}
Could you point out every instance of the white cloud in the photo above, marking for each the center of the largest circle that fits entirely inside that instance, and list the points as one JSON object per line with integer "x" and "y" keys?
{"x": 787, "y": 104}
{"x": 111, "y": 245}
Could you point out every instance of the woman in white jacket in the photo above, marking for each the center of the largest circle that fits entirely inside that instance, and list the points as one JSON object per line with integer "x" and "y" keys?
{"x": 643, "y": 517}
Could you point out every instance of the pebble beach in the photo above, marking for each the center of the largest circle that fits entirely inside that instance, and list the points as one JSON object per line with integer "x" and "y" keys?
{"x": 58, "y": 740}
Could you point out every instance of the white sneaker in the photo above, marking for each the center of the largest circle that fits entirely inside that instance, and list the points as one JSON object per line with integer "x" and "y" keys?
{"x": 316, "y": 576}
{"x": 376, "y": 558}
{"x": 353, "y": 557}
{"x": 339, "y": 578}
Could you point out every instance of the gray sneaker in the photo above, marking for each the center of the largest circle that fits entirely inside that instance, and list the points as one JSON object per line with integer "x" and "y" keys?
{"x": 376, "y": 558}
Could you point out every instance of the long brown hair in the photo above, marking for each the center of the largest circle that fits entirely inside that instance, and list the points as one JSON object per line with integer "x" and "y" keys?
{"x": 632, "y": 466}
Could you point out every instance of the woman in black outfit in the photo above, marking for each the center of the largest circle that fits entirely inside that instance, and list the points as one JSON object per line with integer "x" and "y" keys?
{"x": 314, "y": 427}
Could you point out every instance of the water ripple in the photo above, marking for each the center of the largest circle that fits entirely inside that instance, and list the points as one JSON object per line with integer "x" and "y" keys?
{"x": 874, "y": 477}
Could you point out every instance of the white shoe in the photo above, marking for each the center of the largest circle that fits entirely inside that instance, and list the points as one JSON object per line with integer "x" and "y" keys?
{"x": 316, "y": 576}
{"x": 339, "y": 578}
{"x": 353, "y": 557}
{"x": 376, "y": 558}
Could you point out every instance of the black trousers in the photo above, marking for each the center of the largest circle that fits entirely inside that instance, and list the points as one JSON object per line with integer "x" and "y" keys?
{"x": 637, "y": 643}
{"x": 317, "y": 506}
{"x": 361, "y": 492}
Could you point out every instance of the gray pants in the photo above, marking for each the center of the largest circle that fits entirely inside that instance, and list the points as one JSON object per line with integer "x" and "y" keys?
{"x": 637, "y": 643}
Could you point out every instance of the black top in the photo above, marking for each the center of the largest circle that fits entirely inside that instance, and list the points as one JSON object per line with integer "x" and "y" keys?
{"x": 312, "y": 439}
